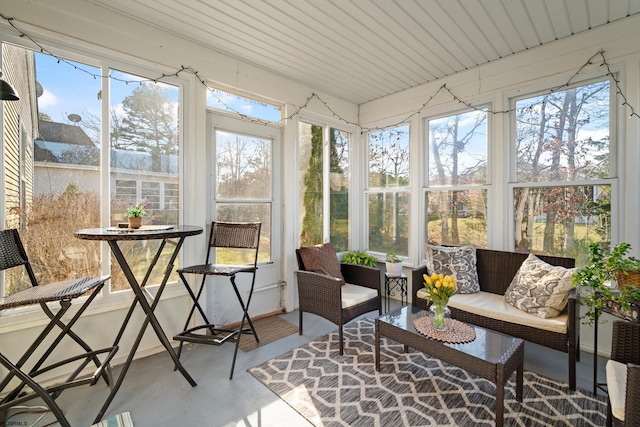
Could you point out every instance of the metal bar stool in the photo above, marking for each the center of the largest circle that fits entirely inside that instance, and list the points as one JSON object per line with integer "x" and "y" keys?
{"x": 244, "y": 237}
{"x": 13, "y": 254}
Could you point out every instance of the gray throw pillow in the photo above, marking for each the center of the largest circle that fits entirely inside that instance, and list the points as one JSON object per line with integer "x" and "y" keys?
{"x": 457, "y": 261}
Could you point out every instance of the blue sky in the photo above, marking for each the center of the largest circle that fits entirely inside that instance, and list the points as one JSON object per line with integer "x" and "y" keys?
{"x": 72, "y": 88}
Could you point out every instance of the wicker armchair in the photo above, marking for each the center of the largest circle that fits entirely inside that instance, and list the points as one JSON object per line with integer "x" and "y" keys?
{"x": 623, "y": 407}
{"x": 322, "y": 295}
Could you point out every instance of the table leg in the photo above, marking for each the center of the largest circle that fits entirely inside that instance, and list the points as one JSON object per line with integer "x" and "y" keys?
{"x": 519, "y": 381}
{"x": 150, "y": 316}
{"x": 500, "y": 395}
{"x": 377, "y": 355}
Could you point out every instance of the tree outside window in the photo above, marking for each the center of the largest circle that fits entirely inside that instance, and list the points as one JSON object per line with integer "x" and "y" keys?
{"x": 325, "y": 181}
{"x": 388, "y": 195}
{"x": 562, "y": 199}
{"x": 456, "y": 195}
{"x": 243, "y": 189}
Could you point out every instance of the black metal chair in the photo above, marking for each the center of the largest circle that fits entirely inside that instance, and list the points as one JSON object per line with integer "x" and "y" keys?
{"x": 245, "y": 237}
{"x": 13, "y": 254}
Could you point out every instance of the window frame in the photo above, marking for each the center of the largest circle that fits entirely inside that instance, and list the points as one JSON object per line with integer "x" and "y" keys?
{"x": 369, "y": 190}
{"x": 103, "y": 61}
{"x": 545, "y": 86}
{"x": 327, "y": 124}
{"x": 487, "y": 186}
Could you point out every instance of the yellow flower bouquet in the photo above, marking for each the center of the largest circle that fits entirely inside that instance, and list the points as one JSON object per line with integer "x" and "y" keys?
{"x": 439, "y": 288}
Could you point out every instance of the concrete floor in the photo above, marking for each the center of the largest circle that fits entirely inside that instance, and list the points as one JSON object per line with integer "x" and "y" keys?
{"x": 155, "y": 395}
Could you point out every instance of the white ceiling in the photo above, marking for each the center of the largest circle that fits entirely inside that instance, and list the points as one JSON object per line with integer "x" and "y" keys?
{"x": 361, "y": 50}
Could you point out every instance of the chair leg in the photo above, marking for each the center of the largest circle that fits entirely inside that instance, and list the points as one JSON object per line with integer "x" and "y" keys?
{"x": 300, "y": 323}
{"x": 341, "y": 337}
{"x": 37, "y": 389}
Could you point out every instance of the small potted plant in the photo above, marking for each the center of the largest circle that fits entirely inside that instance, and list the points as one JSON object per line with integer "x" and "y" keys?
{"x": 596, "y": 282}
{"x": 393, "y": 264}
{"x": 359, "y": 258}
{"x": 135, "y": 214}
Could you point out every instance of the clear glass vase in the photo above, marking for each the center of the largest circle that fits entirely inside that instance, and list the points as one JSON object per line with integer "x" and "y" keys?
{"x": 439, "y": 312}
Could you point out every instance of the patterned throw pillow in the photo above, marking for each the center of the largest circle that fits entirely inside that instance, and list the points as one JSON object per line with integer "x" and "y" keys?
{"x": 457, "y": 261}
{"x": 321, "y": 259}
{"x": 540, "y": 288}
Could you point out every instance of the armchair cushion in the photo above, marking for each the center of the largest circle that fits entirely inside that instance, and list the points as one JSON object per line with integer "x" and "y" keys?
{"x": 355, "y": 294}
{"x": 540, "y": 288}
{"x": 616, "y": 386}
{"x": 321, "y": 259}
{"x": 457, "y": 261}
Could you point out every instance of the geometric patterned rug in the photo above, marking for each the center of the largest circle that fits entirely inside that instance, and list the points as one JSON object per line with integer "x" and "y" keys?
{"x": 411, "y": 389}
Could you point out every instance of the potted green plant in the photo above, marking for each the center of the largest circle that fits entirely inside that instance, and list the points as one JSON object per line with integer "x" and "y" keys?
{"x": 393, "y": 264}
{"x": 359, "y": 258}
{"x": 135, "y": 214}
{"x": 596, "y": 282}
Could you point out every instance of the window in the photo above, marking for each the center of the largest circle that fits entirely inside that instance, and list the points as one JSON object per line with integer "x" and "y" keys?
{"x": 562, "y": 196}
{"x": 324, "y": 185}
{"x": 244, "y": 187}
{"x": 456, "y": 194}
{"x": 388, "y": 193}
{"x": 221, "y": 100}
{"x": 54, "y": 168}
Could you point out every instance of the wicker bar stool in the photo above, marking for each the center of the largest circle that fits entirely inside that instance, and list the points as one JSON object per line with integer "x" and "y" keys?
{"x": 241, "y": 236}
{"x": 12, "y": 255}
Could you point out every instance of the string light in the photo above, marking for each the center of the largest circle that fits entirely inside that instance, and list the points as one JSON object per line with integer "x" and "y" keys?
{"x": 298, "y": 109}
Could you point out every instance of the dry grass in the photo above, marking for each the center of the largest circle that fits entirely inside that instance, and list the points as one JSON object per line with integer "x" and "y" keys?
{"x": 56, "y": 254}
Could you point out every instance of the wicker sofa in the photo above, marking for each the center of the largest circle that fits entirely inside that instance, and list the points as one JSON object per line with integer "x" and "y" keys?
{"x": 496, "y": 270}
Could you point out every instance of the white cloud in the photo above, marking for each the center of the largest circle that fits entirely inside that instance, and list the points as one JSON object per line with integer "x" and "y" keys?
{"x": 47, "y": 99}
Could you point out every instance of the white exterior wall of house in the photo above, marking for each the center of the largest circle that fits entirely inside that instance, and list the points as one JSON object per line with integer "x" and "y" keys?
{"x": 53, "y": 178}
{"x": 78, "y": 25}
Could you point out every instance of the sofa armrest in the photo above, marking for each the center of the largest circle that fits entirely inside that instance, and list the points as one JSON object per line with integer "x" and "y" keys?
{"x": 315, "y": 289}
{"x": 632, "y": 394}
{"x": 416, "y": 285}
{"x": 361, "y": 275}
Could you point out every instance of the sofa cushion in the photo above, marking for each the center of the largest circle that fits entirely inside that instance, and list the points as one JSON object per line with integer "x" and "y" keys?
{"x": 616, "y": 386}
{"x": 356, "y": 294}
{"x": 494, "y": 306}
{"x": 540, "y": 288}
{"x": 321, "y": 259}
{"x": 457, "y": 261}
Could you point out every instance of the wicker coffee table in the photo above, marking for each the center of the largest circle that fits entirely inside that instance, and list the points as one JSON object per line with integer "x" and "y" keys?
{"x": 492, "y": 355}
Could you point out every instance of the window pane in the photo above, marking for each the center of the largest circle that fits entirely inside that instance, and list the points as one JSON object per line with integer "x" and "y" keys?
{"x": 339, "y": 189}
{"x": 51, "y": 167}
{"x": 458, "y": 149}
{"x": 144, "y": 152}
{"x": 246, "y": 212}
{"x": 226, "y": 101}
{"x": 457, "y": 218}
{"x": 243, "y": 167}
{"x": 562, "y": 221}
{"x": 312, "y": 182}
{"x": 389, "y": 222}
{"x": 389, "y": 158}
{"x": 564, "y": 135}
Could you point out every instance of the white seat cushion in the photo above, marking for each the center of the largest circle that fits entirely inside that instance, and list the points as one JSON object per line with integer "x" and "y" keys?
{"x": 355, "y": 294}
{"x": 495, "y": 307}
{"x": 616, "y": 385}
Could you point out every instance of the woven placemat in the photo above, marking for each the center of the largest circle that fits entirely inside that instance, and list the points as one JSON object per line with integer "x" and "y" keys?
{"x": 457, "y": 332}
